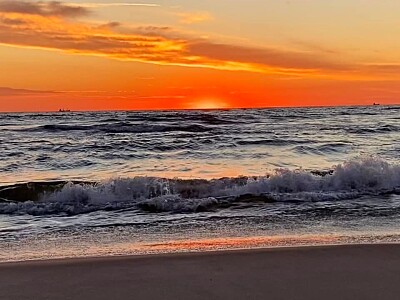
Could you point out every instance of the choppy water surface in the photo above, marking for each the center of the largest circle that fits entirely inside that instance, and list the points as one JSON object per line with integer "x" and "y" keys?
{"x": 76, "y": 184}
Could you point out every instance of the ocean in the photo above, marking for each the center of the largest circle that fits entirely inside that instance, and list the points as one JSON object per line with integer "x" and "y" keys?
{"x": 80, "y": 184}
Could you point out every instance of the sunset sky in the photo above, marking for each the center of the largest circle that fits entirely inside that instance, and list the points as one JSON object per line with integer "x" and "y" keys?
{"x": 112, "y": 55}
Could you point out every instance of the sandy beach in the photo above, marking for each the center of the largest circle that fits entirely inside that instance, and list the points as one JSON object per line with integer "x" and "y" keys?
{"x": 326, "y": 272}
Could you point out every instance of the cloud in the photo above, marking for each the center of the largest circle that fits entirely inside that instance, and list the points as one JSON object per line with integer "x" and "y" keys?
{"x": 196, "y": 17}
{"x": 264, "y": 56}
{"x": 110, "y": 25}
{"x": 6, "y": 91}
{"x": 52, "y": 8}
{"x": 384, "y": 68}
{"x": 44, "y": 26}
{"x": 57, "y": 34}
{"x": 120, "y": 4}
{"x": 159, "y": 31}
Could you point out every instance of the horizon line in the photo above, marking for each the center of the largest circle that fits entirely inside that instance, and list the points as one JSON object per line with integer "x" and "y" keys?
{"x": 199, "y": 109}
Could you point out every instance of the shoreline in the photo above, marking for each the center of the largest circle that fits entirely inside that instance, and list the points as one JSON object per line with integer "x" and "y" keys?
{"x": 213, "y": 245}
{"x": 204, "y": 251}
{"x": 199, "y": 252}
{"x": 369, "y": 271}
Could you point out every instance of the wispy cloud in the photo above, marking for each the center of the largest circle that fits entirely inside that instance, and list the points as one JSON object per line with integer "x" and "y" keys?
{"x": 52, "y": 8}
{"x": 118, "y": 4}
{"x": 194, "y": 17}
{"x": 7, "y": 91}
{"x": 384, "y": 67}
{"x": 272, "y": 57}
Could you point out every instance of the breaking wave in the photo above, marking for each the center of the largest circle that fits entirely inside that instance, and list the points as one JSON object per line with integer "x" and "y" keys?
{"x": 353, "y": 179}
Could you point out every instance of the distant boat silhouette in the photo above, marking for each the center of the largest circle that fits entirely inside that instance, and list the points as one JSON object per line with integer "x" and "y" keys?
{"x": 376, "y": 104}
{"x": 64, "y": 110}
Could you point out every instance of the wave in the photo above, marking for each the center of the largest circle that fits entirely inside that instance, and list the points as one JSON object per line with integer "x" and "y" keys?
{"x": 352, "y": 179}
{"x": 382, "y": 129}
{"x": 321, "y": 149}
{"x": 272, "y": 142}
{"x": 392, "y": 107}
{"x": 120, "y": 127}
{"x": 211, "y": 119}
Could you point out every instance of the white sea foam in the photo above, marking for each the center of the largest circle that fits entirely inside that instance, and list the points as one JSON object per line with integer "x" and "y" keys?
{"x": 363, "y": 174}
{"x": 352, "y": 179}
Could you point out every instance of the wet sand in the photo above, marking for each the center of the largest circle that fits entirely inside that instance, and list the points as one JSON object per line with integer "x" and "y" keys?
{"x": 326, "y": 272}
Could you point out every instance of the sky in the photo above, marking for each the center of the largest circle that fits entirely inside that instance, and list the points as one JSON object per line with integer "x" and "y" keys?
{"x": 186, "y": 54}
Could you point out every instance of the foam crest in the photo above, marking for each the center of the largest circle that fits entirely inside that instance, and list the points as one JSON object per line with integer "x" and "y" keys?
{"x": 349, "y": 180}
{"x": 175, "y": 203}
{"x": 364, "y": 174}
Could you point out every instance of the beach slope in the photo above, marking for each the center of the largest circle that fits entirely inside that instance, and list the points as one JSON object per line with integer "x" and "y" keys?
{"x": 326, "y": 272}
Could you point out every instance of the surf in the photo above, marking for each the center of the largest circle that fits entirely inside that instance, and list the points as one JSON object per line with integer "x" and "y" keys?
{"x": 352, "y": 179}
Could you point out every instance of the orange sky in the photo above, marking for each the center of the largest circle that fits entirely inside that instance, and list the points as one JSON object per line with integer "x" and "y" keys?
{"x": 179, "y": 54}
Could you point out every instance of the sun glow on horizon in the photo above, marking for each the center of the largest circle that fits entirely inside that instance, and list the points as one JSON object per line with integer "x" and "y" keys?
{"x": 209, "y": 103}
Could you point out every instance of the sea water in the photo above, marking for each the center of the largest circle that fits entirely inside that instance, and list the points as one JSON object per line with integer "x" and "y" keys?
{"x": 114, "y": 183}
